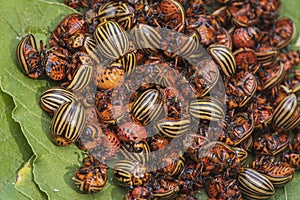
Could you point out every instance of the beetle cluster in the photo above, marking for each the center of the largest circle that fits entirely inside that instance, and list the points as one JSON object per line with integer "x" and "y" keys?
{"x": 130, "y": 90}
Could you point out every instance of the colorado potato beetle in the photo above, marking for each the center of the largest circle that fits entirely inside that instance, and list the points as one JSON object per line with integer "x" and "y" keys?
{"x": 242, "y": 154}
{"x": 284, "y": 33}
{"x": 279, "y": 173}
{"x": 221, "y": 188}
{"x": 112, "y": 40}
{"x": 207, "y": 108}
{"x": 284, "y": 111}
{"x": 224, "y": 58}
{"x": 147, "y": 107}
{"x": 254, "y": 185}
{"x": 146, "y": 38}
{"x": 29, "y": 59}
{"x": 172, "y": 128}
{"x": 92, "y": 177}
{"x": 68, "y": 123}
{"x": 172, "y": 13}
{"x": 69, "y": 26}
{"x": 53, "y": 98}
{"x": 91, "y": 136}
{"x": 56, "y": 65}
{"x": 138, "y": 151}
{"x": 164, "y": 189}
{"x": 246, "y": 37}
{"x": 129, "y": 62}
{"x": 119, "y": 12}
{"x": 109, "y": 78}
{"x": 81, "y": 79}
{"x": 131, "y": 173}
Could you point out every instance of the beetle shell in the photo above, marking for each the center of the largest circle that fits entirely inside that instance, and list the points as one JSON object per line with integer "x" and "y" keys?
{"x": 284, "y": 111}
{"x": 56, "y": 65}
{"x": 254, "y": 185}
{"x": 241, "y": 126}
{"x": 246, "y": 59}
{"x": 272, "y": 77}
{"x": 271, "y": 144}
{"x": 91, "y": 136}
{"x": 164, "y": 189}
{"x": 147, "y": 107}
{"x": 243, "y": 13}
{"x": 69, "y": 26}
{"x": 109, "y": 148}
{"x": 112, "y": 40}
{"x": 266, "y": 55}
{"x": 224, "y": 58}
{"x": 131, "y": 132}
{"x": 131, "y": 172}
{"x": 29, "y": 59}
{"x": 146, "y": 38}
{"x": 90, "y": 179}
{"x": 172, "y": 128}
{"x": 119, "y": 12}
{"x": 138, "y": 151}
{"x": 279, "y": 173}
{"x": 111, "y": 77}
{"x": 218, "y": 188}
{"x": 53, "y": 98}
{"x": 207, "y": 108}
{"x": 81, "y": 78}
{"x": 129, "y": 62}
{"x": 285, "y": 31}
{"x": 68, "y": 123}
{"x": 246, "y": 37}
{"x": 204, "y": 80}
{"x": 242, "y": 154}
{"x": 172, "y": 12}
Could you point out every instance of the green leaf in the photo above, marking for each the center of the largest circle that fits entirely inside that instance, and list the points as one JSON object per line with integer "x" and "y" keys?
{"x": 14, "y": 149}
{"x": 25, "y": 182}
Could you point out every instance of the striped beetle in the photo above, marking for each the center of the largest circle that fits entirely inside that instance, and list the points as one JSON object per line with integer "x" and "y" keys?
{"x": 68, "y": 123}
{"x": 90, "y": 178}
{"x": 129, "y": 62}
{"x": 219, "y": 184}
{"x": 147, "y": 107}
{"x": 28, "y": 57}
{"x": 112, "y": 40}
{"x": 54, "y": 97}
{"x": 164, "y": 189}
{"x": 242, "y": 154}
{"x": 279, "y": 173}
{"x": 131, "y": 173}
{"x": 272, "y": 76}
{"x": 284, "y": 111}
{"x": 146, "y": 38}
{"x": 119, "y": 12}
{"x": 254, "y": 185}
{"x": 172, "y": 127}
{"x": 224, "y": 58}
{"x": 138, "y": 151}
{"x": 207, "y": 108}
{"x": 81, "y": 79}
